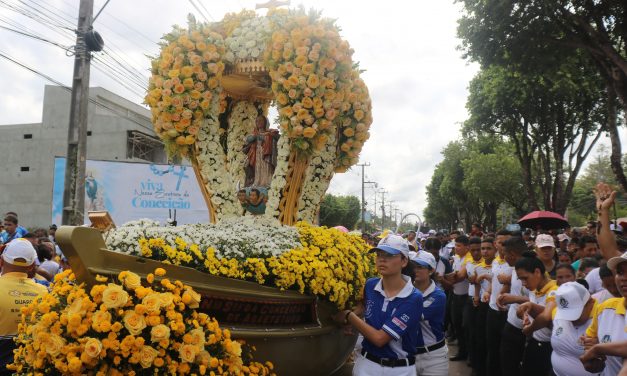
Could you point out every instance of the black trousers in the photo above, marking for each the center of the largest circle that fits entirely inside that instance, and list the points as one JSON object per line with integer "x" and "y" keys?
{"x": 512, "y": 349}
{"x": 448, "y": 322}
{"x": 537, "y": 358}
{"x": 479, "y": 345}
{"x": 457, "y": 313}
{"x": 495, "y": 321}
{"x": 469, "y": 321}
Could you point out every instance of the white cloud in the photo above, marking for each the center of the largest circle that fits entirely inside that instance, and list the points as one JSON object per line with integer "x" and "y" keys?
{"x": 416, "y": 76}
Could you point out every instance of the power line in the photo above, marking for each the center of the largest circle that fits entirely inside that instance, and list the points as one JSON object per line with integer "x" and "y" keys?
{"x": 198, "y": 10}
{"x": 205, "y": 9}
{"x": 45, "y": 76}
{"x": 67, "y": 48}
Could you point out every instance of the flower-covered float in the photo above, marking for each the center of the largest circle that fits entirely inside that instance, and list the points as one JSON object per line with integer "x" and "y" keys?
{"x": 260, "y": 267}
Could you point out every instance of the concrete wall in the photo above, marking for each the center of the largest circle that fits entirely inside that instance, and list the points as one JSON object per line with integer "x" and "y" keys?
{"x": 29, "y": 193}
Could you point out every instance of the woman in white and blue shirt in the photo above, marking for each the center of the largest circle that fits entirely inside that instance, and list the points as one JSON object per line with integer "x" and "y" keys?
{"x": 392, "y": 309}
{"x": 431, "y": 353}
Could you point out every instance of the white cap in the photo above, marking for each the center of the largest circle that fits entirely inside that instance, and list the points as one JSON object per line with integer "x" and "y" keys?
{"x": 562, "y": 237}
{"x": 570, "y": 298}
{"x": 544, "y": 240}
{"x": 19, "y": 252}
{"x": 424, "y": 258}
{"x": 615, "y": 261}
{"x": 394, "y": 245}
{"x": 616, "y": 228}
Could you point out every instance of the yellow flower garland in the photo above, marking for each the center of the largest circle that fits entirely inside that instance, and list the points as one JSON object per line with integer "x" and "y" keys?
{"x": 316, "y": 85}
{"x": 330, "y": 264}
{"x": 125, "y": 329}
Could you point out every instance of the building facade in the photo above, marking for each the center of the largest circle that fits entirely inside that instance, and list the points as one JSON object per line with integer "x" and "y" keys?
{"x": 117, "y": 130}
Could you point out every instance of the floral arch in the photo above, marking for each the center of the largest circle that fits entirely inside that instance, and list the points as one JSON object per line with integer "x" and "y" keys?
{"x": 211, "y": 82}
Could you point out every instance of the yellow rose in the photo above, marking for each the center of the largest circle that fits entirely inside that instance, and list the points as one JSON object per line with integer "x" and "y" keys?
{"x": 134, "y": 322}
{"x": 191, "y": 298}
{"x": 203, "y": 358}
{"x": 93, "y": 347}
{"x": 173, "y": 73}
{"x": 349, "y": 132}
{"x": 53, "y": 344}
{"x": 166, "y": 299}
{"x": 188, "y": 353}
{"x": 132, "y": 280}
{"x": 147, "y": 356}
{"x": 152, "y": 302}
{"x": 309, "y": 132}
{"x": 313, "y": 81}
{"x": 75, "y": 308}
{"x": 282, "y": 99}
{"x": 187, "y": 71}
{"x": 101, "y": 320}
{"x": 159, "y": 332}
{"x": 114, "y": 296}
{"x": 307, "y": 102}
{"x": 74, "y": 365}
{"x": 198, "y": 337}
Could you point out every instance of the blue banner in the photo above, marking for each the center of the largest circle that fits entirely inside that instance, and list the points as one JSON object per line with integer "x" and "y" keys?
{"x": 131, "y": 191}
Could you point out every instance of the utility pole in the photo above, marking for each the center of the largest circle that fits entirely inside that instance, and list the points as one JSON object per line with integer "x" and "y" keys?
{"x": 363, "y": 196}
{"x": 383, "y": 209}
{"x": 87, "y": 41}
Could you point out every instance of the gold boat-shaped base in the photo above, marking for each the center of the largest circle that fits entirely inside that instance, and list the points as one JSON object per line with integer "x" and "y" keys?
{"x": 293, "y": 331}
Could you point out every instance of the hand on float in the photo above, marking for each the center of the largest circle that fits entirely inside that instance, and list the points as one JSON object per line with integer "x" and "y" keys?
{"x": 343, "y": 316}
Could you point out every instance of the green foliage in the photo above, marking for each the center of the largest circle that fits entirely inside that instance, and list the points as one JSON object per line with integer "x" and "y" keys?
{"x": 552, "y": 116}
{"x": 340, "y": 211}
{"x": 474, "y": 178}
{"x": 533, "y": 37}
{"x": 581, "y": 208}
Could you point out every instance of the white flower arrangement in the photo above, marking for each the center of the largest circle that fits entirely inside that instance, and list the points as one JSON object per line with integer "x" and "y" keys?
{"x": 241, "y": 124}
{"x": 248, "y": 40}
{"x": 213, "y": 167}
{"x": 279, "y": 178}
{"x": 239, "y": 238}
{"x": 317, "y": 179}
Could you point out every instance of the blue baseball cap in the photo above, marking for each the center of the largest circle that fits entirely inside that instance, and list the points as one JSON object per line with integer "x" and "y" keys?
{"x": 394, "y": 245}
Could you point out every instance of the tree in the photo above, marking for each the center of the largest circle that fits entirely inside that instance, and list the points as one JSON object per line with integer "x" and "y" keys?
{"x": 474, "y": 178}
{"x": 553, "y": 117}
{"x": 582, "y": 207}
{"x": 534, "y": 33}
{"x": 339, "y": 211}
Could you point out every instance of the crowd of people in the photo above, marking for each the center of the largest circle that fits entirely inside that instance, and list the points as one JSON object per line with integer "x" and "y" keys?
{"x": 547, "y": 302}
{"x": 514, "y": 303}
{"x": 28, "y": 263}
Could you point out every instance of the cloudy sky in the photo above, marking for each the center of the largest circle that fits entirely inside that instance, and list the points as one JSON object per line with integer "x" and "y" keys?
{"x": 415, "y": 74}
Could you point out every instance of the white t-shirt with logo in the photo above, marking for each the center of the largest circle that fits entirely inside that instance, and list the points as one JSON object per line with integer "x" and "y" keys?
{"x": 518, "y": 290}
{"x": 567, "y": 348}
{"x": 542, "y": 297}
{"x": 460, "y": 288}
{"x": 498, "y": 267}
{"x": 609, "y": 324}
{"x": 470, "y": 269}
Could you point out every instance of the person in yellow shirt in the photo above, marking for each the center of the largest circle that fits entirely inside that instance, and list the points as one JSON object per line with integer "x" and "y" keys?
{"x": 16, "y": 291}
{"x": 608, "y": 325}
{"x": 532, "y": 273}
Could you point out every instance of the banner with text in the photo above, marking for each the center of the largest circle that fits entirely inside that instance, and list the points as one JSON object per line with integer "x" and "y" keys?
{"x": 131, "y": 191}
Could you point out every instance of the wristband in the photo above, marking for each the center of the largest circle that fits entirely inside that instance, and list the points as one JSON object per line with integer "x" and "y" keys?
{"x": 346, "y": 317}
